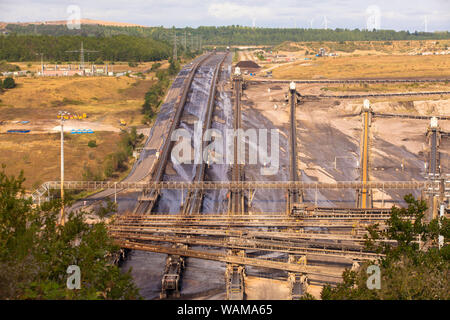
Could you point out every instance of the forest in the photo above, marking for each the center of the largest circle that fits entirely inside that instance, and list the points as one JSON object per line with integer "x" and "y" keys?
{"x": 229, "y": 35}
{"x": 26, "y": 43}
{"x": 15, "y": 47}
{"x": 236, "y": 35}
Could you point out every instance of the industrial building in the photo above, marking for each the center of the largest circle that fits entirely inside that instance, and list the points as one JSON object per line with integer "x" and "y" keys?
{"x": 70, "y": 70}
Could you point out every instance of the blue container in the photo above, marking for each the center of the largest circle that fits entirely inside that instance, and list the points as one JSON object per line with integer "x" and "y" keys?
{"x": 18, "y": 131}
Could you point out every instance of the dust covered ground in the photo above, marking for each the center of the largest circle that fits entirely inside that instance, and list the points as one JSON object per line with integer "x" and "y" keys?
{"x": 328, "y": 138}
{"x": 329, "y": 133}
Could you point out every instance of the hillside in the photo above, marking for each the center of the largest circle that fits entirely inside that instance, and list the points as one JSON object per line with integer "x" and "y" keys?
{"x": 223, "y": 35}
{"x": 63, "y": 22}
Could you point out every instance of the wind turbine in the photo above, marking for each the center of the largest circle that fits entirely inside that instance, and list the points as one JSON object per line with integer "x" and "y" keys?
{"x": 325, "y": 22}
{"x": 311, "y": 23}
{"x": 425, "y": 23}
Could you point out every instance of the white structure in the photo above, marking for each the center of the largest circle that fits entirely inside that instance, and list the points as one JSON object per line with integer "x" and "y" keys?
{"x": 373, "y": 20}
{"x": 433, "y": 123}
{"x": 237, "y": 71}
{"x": 292, "y": 86}
{"x": 366, "y": 105}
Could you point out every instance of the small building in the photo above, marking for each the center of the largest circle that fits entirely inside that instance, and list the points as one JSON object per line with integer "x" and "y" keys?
{"x": 60, "y": 73}
{"x": 20, "y": 73}
{"x": 248, "y": 67}
{"x": 69, "y": 70}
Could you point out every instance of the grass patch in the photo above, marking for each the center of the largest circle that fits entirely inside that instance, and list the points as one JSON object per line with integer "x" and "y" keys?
{"x": 39, "y": 155}
{"x": 117, "y": 162}
{"x": 40, "y": 98}
{"x": 8, "y": 67}
{"x": 66, "y": 102}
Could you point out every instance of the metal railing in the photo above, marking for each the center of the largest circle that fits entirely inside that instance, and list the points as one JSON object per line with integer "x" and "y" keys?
{"x": 244, "y": 185}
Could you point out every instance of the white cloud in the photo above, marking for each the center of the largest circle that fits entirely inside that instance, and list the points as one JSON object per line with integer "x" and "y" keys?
{"x": 395, "y": 14}
{"x": 229, "y": 11}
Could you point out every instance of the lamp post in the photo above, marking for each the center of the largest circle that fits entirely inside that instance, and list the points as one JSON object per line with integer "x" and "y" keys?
{"x": 62, "y": 114}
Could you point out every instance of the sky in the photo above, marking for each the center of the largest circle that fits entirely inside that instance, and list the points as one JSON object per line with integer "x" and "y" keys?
{"x": 412, "y": 15}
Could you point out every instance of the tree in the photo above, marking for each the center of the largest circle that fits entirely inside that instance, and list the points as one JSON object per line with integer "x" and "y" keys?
{"x": 127, "y": 43}
{"x": 174, "y": 67}
{"x": 111, "y": 48}
{"x": 9, "y": 83}
{"x": 153, "y": 96}
{"x": 407, "y": 271}
{"x": 35, "y": 251}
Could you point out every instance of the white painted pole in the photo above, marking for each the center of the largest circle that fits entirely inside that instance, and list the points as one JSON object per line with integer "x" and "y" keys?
{"x": 62, "y": 169}
{"x": 441, "y": 237}
{"x": 315, "y": 198}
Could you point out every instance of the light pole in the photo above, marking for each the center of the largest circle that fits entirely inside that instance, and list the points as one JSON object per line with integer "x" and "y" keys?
{"x": 441, "y": 237}
{"x": 62, "y": 114}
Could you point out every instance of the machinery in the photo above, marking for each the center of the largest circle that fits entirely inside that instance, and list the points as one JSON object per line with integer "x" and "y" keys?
{"x": 298, "y": 284}
{"x": 171, "y": 278}
{"x": 234, "y": 277}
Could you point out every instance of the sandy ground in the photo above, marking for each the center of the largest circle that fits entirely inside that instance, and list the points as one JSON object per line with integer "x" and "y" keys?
{"x": 329, "y": 133}
{"x": 355, "y": 59}
{"x": 265, "y": 289}
{"x": 328, "y": 139}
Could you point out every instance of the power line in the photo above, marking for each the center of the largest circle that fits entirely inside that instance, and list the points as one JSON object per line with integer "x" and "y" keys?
{"x": 82, "y": 51}
{"x": 175, "y": 53}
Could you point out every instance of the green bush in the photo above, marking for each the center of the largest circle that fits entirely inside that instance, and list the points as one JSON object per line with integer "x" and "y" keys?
{"x": 35, "y": 251}
{"x": 9, "y": 83}
{"x": 117, "y": 161}
{"x": 408, "y": 271}
{"x": 92, "y": 144}
{"x": 153, "y": 97}
{"x": 155, "y": 66}
{"x": 174, "y": 67}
